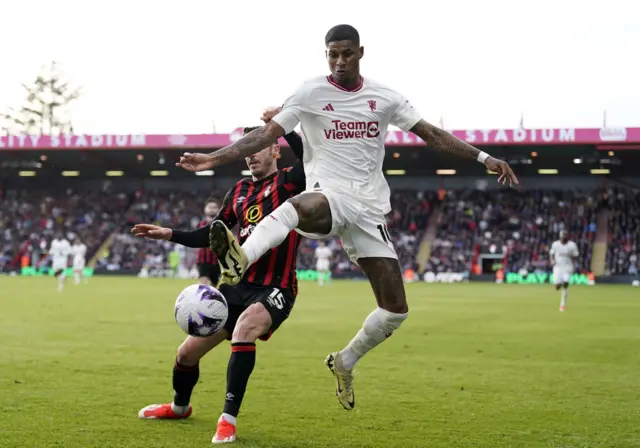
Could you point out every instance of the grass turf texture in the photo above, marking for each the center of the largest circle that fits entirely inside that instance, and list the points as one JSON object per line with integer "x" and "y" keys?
{"x": 475, "y": 365}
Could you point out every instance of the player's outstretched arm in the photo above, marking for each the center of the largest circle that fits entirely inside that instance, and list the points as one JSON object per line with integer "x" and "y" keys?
{"x": 190, "y": 238}
{"x": 249, "y": 144}
{"x": 442, "y": 140}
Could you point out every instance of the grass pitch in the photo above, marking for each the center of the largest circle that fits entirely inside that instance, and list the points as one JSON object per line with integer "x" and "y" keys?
{"x": 475, "y": 365}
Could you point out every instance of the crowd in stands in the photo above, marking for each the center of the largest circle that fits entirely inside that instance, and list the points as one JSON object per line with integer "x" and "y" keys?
{"x": 517, "y": 227}
{"x": 29, "y": 219}
{"x": 177, "y": 210}
{"x": 624, "y": 232}
{"x": 520, "y": 224}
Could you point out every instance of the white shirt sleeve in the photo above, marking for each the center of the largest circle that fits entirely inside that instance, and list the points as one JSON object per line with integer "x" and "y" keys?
{"x": 553, "y": 249}
{"x": 405, "y": 116}
{"x": 575, "y": 250}
{"x": 292, "y": 110}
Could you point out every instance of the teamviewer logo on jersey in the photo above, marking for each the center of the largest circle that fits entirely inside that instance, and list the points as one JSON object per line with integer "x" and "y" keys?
{"x": 344, "y": 130}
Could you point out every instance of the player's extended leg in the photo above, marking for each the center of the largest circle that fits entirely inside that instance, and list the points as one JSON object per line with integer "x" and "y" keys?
{"x": 77, "y": 275}
{"x": 321, "y": 274}
{"x": 254, "y": 322}
{"x": 60, "y": 276}
{"x": 564, "y": 295}
{"x": 309, "y": 212}
{"x": 385, "y": 277}
{"x": 186, "y": 372}
{"x": 561, "y": 283}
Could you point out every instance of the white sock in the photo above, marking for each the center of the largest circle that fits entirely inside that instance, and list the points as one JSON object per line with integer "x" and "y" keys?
{"x": 271, "y": 231}
{"x": 320, "y": 278}
{"x": 61, "y": 278}
{"x": 76, "y": 276}
{"x": 179, "y": 409}
{"x": 229, "y": 418}
{"x": 563, "y": 300}
{"x": 377, "y": 327}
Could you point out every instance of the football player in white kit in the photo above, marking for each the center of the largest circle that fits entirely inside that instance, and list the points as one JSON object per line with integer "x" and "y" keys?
{"x": 344, "y": 119}
{"x": 323, "y": 262}
{"x": 59, "y": 251}
{"x": 79, "y": 252}
{"x": 563, "y": 253}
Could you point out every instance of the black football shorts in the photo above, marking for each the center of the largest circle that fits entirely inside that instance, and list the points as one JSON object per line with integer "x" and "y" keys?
{"x": 278, "y": 302}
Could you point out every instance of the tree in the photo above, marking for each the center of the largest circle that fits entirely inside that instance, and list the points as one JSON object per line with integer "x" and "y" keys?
{"x": 46, "y": 106}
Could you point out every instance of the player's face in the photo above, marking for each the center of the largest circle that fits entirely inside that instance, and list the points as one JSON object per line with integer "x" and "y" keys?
{"x": 262, "y": 163}
{"x": 344, "y": 60}
{"x": 211, "y": 209}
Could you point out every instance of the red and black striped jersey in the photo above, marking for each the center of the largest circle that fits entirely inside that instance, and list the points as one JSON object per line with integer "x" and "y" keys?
{"x": 205, "y": 255}
{"x": 246, "y": 204}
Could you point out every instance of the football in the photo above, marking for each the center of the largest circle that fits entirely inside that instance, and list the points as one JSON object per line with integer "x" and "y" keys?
{"x": 201, "y": 310}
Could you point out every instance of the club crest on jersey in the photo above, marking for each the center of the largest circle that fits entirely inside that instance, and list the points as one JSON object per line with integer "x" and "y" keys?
{"x": 372, "y": 105}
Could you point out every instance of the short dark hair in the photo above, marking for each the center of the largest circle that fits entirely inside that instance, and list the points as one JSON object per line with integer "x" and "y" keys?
{"x": 248, "y": 129}
{"x": 342, "y": 32}
{"x": 214, "y": 200}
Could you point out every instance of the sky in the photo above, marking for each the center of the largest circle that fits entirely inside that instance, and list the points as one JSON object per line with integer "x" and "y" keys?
{"x": 197, "y": 66}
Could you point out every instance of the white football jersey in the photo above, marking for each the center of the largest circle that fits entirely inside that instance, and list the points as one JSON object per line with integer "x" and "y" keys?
{"x": 60, "y": 248}
{"x": 323, "y": 253}
{"x": 79, "y": 251}
{"x": 563, "y": 254}
{"x": 344, "y": 133}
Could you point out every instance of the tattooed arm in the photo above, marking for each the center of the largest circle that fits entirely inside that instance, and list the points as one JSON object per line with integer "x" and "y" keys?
{"x": 442, "y": 140}
{"x": 249, "y": 144}
{"x": 447, "y": 143}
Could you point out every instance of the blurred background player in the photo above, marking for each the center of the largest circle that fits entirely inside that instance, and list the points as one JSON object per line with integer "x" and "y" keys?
{"x": 563, "y": 254}
{"x": 323, "y": 262}
{"x": 79, "y": 252}
{"x": 59, "y": 252}
{"x": 175, "y": 258}
{"x": 208, "y": 269}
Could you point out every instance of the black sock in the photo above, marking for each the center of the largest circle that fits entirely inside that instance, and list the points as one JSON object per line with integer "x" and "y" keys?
{"x": 241, "y": 363}
{"x": 184, "y": 380}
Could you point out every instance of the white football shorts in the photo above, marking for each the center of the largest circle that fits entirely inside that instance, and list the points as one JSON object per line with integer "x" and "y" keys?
{"x": 59, "y": 264}
{"x": 561, "y": 275}
{"x": 323, "y": 265}
{"x": 361, "y": 227}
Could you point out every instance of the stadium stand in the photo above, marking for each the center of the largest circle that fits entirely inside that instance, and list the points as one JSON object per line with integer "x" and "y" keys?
{"x": 624, "y": 237}
{"x": 522, "y": 223}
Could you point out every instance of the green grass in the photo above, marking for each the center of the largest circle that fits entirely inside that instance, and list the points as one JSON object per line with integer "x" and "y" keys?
{"x": 475, "y": 365}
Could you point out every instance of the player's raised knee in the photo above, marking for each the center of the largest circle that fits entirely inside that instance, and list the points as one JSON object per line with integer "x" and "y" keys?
{"x": 314, "y": 212}
{"x": 397, "y": 306}
{"x": 252, "y": 323}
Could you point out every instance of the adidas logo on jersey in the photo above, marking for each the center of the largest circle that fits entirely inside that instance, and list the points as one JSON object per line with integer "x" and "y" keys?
{"x": 328, "y": 107}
